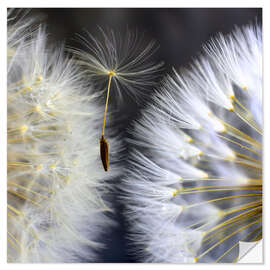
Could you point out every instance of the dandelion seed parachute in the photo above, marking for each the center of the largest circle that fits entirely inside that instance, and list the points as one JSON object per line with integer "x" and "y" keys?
{"x": 194, "y": 184}
{"x": 56, "y": 185}
{"x": 127, "y": 56}
{"x": 122, "y": 63}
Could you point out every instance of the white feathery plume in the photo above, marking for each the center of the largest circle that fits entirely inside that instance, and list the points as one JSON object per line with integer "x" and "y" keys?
{"x": 194, "y": 184}
{"x": 56, "y": 184}
{"x": 126, "y": 57}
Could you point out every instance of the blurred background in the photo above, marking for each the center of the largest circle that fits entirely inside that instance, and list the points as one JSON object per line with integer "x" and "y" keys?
{"x": 180, "y": 34}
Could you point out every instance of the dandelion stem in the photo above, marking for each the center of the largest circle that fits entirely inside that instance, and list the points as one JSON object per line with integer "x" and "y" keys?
{"x": 220, "y": 188}
{"x": 233, "y": 131}
{"x": 14, "y": 210}
{"x": 247, "y": 120}
{"x": 12, "y": 243}
{"x": 28, "y": 189}
{"x": 230, "y": 235}
{"x": 236, "y": 244}
{"x": 14, "y": 239}
{"x": 104, "y": 146}
{"x": 224, "y": 198}
{"x": 111, "y": 74}
{"x": 205, "y": 222}
{"x": 23, "y": 197}
{"x": 24, "y": 225}
{"x": 238, "y": 218}
{"x": 239, "y": 144}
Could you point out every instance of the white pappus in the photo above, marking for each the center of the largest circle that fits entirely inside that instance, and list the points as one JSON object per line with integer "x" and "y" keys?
{"x": 194, "y": 182}
{"x": 126, "y": 57}
{"x": 56, "y": 183}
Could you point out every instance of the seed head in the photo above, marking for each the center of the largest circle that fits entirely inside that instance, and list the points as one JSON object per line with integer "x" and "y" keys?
{"x": 56, "y": 184}
{"x": 194, "y": 185}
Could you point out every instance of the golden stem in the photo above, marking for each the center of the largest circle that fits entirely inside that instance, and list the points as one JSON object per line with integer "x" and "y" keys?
{"x": 232, "y": 210}
{"x": 104, "y": 146}
{"x": 240, "y": 135}
{"x": 219, "y": 188}
{"x": 247, "y": 121}
{"x": 248, "y": 157}
{"x": 16, "y": 211}
{"x": 239, "y": 144}
{"x": 239, "y": 217}
{"x": 227, "y": 237}
{"x": 23, "y": 197}
{"x": 224, "y": 198}
{"x": 225, "y": 253}
{"x": 28, "y": 189}
{"x": 111, "y": 74}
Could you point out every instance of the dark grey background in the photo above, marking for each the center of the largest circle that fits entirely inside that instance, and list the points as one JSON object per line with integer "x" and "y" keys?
{"x": 180, "y": 33}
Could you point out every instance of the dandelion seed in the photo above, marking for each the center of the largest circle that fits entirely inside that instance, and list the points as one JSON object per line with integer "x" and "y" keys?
{"x": 121, "y": 61}
{"x": 104, "y": 153}
{"x": 198, "y": 149}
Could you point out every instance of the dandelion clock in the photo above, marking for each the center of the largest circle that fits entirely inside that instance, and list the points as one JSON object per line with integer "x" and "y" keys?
{"x": 56, "y": 184}
{"x": 193, "y": 188}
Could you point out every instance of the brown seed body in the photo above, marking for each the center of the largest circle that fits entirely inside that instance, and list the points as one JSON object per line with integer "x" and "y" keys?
{"x": 104, "y": 153}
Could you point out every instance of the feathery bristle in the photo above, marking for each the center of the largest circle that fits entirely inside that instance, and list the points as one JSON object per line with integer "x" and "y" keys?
{"x": 127, "y": 57}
